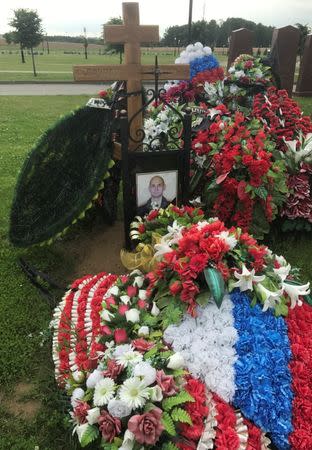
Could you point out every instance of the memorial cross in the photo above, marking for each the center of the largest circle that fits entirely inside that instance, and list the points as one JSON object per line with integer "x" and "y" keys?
{"x": 131, "y": 34}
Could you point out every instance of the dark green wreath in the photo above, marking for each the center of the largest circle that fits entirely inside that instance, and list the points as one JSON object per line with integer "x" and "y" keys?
{"x": 61, "y": 176}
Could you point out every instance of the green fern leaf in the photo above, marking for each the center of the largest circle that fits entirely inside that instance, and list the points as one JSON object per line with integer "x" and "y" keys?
{"x": 176, "y": 400}
{"x": 180, "y": 415}
{"x": 168, "y": 424}
{"x": 89, "y": 436}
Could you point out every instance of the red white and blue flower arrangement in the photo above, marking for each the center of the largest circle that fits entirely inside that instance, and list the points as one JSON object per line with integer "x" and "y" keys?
{"x": 161, "y": 360}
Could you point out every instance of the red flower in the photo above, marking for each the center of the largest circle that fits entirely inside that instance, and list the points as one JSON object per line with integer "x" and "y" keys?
{"x": 132, "y": 291}
{"x": 175, "y": 287}
{"x": 103, "y": 94}
{"x": 113, "y": 369}
{"x": 109, "y": 426}
{"x": 141, "y": 228}
{"x": 81, "y": 411}
{"x": 122, "y": 309}
{"x": 166, "y": 383}
{"x": 142, "y": 345}
{"x": 120, "y": 335}
{"x": 147, "y": 427}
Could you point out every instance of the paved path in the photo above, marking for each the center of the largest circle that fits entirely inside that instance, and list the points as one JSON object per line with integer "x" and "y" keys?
{"x": 50, "y": 89}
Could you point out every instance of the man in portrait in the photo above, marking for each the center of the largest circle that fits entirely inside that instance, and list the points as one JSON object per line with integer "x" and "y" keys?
{"x": 157, "y": 200}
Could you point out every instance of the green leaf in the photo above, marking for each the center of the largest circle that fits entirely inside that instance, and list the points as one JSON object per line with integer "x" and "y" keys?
{"x": 179, "y": 399}
{"x": 89, "y": 435}
{"x": 261, "y": 192}
{"x": 180, "y": 415}
{"x": 281, "y": 309}
{"x": 203, "y": 298}
{"x": 215, "y": 283}
{"x": 168, "y": 424}
{"x": 169, "y": 446}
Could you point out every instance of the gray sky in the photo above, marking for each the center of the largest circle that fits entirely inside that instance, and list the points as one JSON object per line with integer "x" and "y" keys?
{"x": 71, "y": 16}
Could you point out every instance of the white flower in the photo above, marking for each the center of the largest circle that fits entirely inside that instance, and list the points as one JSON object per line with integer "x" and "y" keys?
{"x": 156, "y": 394}
{"x": 94, "y": 378}
{"x": 138, "y": 281}
{"x": 233, "y": 88}
{"x": 281, "y": 260}
{"x": 113, "y": 290}
{"x": 106, "y": 315}
{"x": 129, "y": 358}
{"x": 246, "y": 278}
{"x": 230, "y": 240}
{"x": 282, "y": 271}
{"x": 104, "y": 391}
{"x": 81, "y": 429}
{"x": 134, "y": 393}
{"x": 155, "y": 310}
{"x": 270, "y": 299}
{"x": 128, "y": 441}
{"x": 125, "y": 299}
{"x": 145, "y": 372}
{"x": 142, "y": 294}
{"x": 121, "y": 350}
{"x": 143, "y": 331}
{"x": 239, "y": 73}
{"x": 77, "y": 394}
{"x": 92, "y": 415}
{"x": 176, "y": 361}
{"x": 118, "y": 408}
{"x": 162, "y": 248}
{"x": 78, "y": 376}
{"x": 294, "y": 291}
{"x": 133, "y": 315}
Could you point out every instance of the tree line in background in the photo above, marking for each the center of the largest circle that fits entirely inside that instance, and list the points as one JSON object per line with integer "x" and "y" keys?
{"x": 28, "y": 34}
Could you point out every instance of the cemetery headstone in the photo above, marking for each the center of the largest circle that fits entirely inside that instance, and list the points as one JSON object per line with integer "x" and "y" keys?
{"x": 304, "y": 83}
{"x": 241, "y": 41}
{"x": 284, "y": 48}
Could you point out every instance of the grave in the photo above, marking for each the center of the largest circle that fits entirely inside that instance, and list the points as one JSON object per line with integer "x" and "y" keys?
{"x": 304, "y": 83}
{"x": 241, "y": 42}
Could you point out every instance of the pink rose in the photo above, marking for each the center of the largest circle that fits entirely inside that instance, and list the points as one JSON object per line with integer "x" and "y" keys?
{"x": 81, "y": 411}
{"x": 113, "y": 369}
{"x": 147, "y": 428}
{"x": 142, "y": 345}
{"x": 166, "y": 383}
{"x": 109, "y": 426}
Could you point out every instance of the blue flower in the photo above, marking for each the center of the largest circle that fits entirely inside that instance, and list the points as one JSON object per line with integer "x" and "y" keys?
{"x": 263, "y": 379}
{"x": 201, "y": 64}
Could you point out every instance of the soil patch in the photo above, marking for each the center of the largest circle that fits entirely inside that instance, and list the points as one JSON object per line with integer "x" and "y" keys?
{"x": 97, "y": 250}
{"x": 19, "y": 405}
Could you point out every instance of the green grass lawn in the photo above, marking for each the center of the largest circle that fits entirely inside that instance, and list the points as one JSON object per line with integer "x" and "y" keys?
{"x": 57, "y": 66}
{"x": 30, "y": 404}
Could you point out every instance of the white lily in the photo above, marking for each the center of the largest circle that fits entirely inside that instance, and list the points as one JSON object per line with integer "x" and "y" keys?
{"x": 304, "y": 153}
{"x": 162, "y": 248}
{"x": 128, "y": 441}
{"x": 281, "y": 260}
{"x": 246, "y": 279}
{"x": 294, "y": 291}
{"x": 282, "y": 271}
{"x": 270, "y": 298}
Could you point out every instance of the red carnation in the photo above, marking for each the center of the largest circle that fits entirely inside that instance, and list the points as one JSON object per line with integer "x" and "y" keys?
{"x": 120, "y": 335}
{"x": 175, "y": 287}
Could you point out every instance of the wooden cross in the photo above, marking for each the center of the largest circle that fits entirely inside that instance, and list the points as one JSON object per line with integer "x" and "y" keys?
{"x": 131, "y": 34}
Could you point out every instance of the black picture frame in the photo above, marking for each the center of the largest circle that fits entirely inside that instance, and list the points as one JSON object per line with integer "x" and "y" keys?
{"x": 152, "y": 162}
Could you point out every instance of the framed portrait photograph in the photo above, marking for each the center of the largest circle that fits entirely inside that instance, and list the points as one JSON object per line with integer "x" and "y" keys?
{"x": 152, "y": 180}
{"x": 156, "y": 190}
